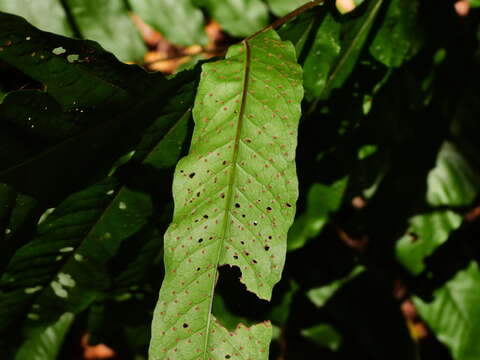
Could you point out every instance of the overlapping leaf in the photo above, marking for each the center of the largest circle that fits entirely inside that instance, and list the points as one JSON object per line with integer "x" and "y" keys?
{"x": 234, "y": 197}
{"x": 454, "y": 314}
{"x": 397, "y": 39}
{"x": 48, "y": 15}
{"x": 356, "y": 33}
{"x": 95, "y": 97}
{"x": 64, "y": 268}
{"x": 237, "y": 17}
{"x": 179, "y": 21}
{"x": 109, "y": 23}
{"x": 45, "y": 343}
{"x": 451, "y": 183}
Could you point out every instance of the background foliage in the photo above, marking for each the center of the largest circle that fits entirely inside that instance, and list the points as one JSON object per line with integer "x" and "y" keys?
{"x": 383, "y": 255}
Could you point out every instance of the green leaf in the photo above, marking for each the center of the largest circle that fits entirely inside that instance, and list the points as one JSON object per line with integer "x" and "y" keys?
{"x": 319, "y": 296}
{"x": 109, "y": 23}
{"x": 474, "y": 3}
{"x": 239, "y": 18}
{"x": 355, "y": 35}
{"x": 18, "y": 217}
{"x": 321, "y": 201}
{"x": 324, "y": 335}
{"x": 426, "y": 232}
{"x": 454, "y": 314}
{"x": 64, "y": 269}
{"x": 298, "y": 30}
{"x": 180, "y": 22}
{"x": 321, "y": 57}
{"x": 451, "y": 183}
{"x": 45, "y": 343}
{"x": 234, "y": 197}
{"x": 283, "y": 7}
{"x": 103, "y": 97}
{"x": 48, "y": 15}
{"x": 397, "y": 39}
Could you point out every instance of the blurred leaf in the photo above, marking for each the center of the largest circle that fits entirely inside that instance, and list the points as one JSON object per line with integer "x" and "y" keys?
{"x": 425, "y": 233}
{"x": 321, "y": 57}
{"x": 355, "y": 34}
{"x": 324, "y": 335}
{"x": 474, "y": 3}
{"x": 283, "y": 7}
{"x": 180, "y": 22}
{"x": 225, "y": 316}
{"x": 297, "y": 30}
{"x": 18, "y": 218}
{"x": 239, "y": 18}
{"x": 109, "y": 23}
{"x": 280, "y": 313}
{"x": 321, "y": 201}
{"x": 397, "y": 39}
{"x": 451, "y": 183}
{"x": 45, "y": 343}
{"x": 48, "y": 15}
{"x": 454, "y": 314}
{"x": 319, "y": 296}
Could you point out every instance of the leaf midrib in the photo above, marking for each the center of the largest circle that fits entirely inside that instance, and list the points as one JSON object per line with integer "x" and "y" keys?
{"x": 229, "y": 194}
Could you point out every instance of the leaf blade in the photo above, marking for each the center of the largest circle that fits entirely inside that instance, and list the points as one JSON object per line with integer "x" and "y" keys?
{"x": 241, "y": 111}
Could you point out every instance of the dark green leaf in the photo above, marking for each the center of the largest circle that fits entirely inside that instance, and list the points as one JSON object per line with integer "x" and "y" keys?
{"x": 321, "y": 57}
{"x": 397, "y": 39}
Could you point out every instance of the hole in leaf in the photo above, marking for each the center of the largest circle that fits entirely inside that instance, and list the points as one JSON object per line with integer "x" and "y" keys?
{"x": 200, "y": 240}
{"x": 269, "y": 208}
{"x": 237, "y": 205}
{"x": 185, "y": 325}
{"x": 267, "y": 248}
{"x": 191, "y": 175}
{"x": 205, "y": 216}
